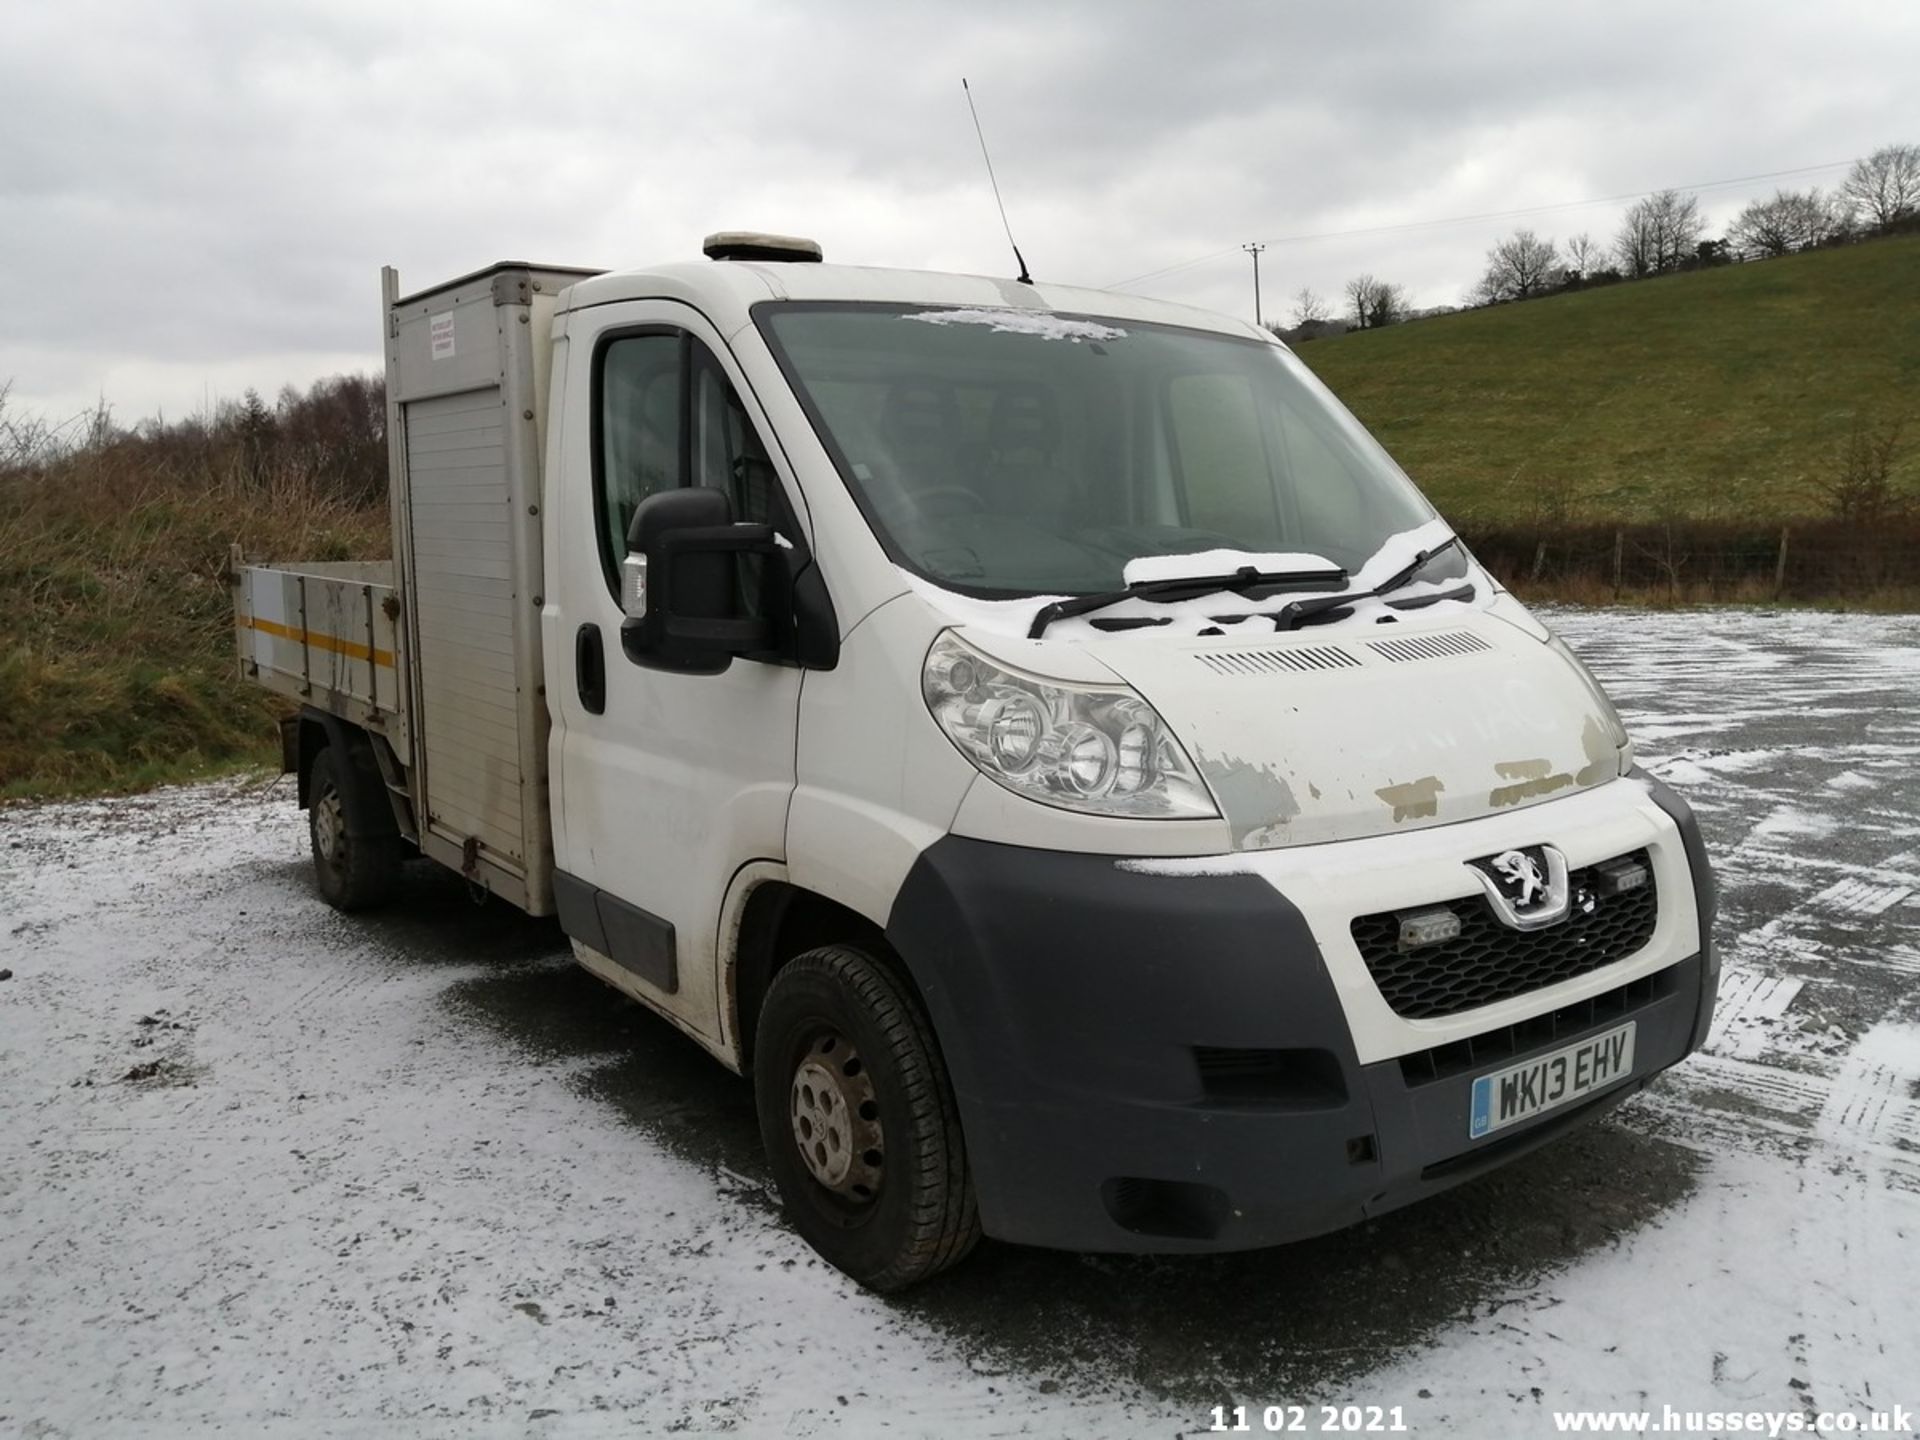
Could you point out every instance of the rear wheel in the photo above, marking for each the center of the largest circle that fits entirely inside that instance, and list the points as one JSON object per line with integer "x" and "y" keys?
{"x": 859, "y": 1121}
{"x": 355, "y": 871}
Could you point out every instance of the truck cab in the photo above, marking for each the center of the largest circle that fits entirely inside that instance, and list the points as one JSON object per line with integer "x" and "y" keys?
{"x": 1036, "y": 734}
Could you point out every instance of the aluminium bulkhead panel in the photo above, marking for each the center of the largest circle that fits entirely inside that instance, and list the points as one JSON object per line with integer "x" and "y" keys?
{"x": 465, "y": 362}
{"x": 472, "y": 709}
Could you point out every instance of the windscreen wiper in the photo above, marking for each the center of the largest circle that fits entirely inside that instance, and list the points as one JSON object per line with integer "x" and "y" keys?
{"x": 1187, "y": 587}
{"x": 1293, "y": 616}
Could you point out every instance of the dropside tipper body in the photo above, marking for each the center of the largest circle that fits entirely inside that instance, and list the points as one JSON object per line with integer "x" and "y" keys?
{"x": 327, "y": 635}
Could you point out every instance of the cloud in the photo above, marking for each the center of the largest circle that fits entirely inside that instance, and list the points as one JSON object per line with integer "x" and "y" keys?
{"x": 201, "y": 194}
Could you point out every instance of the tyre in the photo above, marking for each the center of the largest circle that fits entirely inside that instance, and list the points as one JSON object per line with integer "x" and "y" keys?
{"x": 859, "y": 1121}
{"x": 355, "y": 871}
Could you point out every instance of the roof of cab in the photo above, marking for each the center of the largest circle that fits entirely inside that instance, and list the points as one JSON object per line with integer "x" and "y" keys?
{"x": 726, "y": 290}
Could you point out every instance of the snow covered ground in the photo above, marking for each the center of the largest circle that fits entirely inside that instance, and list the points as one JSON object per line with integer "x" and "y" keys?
{"x": 268, "y": 1170}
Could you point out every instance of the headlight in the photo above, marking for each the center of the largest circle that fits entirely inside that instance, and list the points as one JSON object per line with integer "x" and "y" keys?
{"x": 1616, "y": 729}
{"x": 1098, "y": 749}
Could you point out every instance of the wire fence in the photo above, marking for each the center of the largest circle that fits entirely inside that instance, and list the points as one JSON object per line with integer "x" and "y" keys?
{"x": 1687, "y": 561}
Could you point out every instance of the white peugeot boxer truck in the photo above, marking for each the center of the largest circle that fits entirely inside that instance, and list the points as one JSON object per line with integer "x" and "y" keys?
{"x": 1036, "y": 734}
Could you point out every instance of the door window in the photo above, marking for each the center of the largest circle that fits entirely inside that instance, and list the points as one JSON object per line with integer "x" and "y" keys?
{"x": 652, "y": 439}
{"x": 640, "y": 419}
{"x": 727, "y": 453}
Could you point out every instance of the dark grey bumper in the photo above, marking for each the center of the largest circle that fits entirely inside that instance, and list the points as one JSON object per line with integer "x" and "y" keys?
{"x": 1706, "y": 894}
{"x": 1157, "y": 1063}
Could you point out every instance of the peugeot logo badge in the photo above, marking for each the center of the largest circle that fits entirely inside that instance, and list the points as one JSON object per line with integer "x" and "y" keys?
{"x": 1527, "y": 886}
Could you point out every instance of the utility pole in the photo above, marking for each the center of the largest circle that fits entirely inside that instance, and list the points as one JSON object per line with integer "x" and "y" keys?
{"x": 1254, "y": 248}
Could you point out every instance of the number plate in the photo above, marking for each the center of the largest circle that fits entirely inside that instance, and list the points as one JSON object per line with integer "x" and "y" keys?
{"x": 1547, "y": 1082}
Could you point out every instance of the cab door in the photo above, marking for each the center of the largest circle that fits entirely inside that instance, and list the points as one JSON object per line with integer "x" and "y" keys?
{"x": 666, "y": 783}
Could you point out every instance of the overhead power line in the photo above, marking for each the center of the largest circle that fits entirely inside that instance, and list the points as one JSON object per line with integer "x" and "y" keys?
{"x": 1484, "y": 215}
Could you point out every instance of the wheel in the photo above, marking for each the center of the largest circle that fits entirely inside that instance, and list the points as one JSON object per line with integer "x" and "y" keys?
{"x": 355, "y": 872}
{"x": 859, "y": 1122}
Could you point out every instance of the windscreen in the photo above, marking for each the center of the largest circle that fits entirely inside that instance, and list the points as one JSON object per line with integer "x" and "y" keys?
{"x": 1002, "y": 452}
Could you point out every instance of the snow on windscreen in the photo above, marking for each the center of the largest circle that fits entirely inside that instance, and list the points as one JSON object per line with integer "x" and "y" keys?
{"x": 1218, "y": 562}
{"x": 1039, "y": 323}
{"x": 1204, "y": 612}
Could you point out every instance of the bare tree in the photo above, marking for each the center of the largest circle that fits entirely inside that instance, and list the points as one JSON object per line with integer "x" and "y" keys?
{"x": 1791, "y": 220}
{"x": 1309, "y": 309}
{"x": 1375, "y": 302}
{"x": 1634, "y": 244}
{"x": 335, "y": 435}
{"x": 27, "y": 441}
{"x": 1519, "y": 267}
{"x": 1584, "y": 255}
{"x": 1861, "y": 487}
{"x": 1658, "y": 233}
{"x": 19, "y": 437}
{"x": 1885, "y": 186}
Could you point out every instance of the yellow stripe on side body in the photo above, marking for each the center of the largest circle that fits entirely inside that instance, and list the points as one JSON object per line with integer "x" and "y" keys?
{"x": 352, "y": 649}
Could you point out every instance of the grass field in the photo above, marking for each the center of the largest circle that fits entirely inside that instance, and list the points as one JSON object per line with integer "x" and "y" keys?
{"x": 1723, "y": 393}
{"x": 117, "y": 667}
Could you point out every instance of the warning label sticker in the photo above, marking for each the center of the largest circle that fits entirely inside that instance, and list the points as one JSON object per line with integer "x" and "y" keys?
{"x": 440, "y": 329}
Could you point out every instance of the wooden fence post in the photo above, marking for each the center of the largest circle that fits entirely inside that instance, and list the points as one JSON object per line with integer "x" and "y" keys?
{"x": 1619, "y": 549}
{"x": 1780, "y": 567}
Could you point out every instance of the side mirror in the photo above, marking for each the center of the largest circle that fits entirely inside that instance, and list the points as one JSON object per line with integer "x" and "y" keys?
{"x": 681, "y": 583}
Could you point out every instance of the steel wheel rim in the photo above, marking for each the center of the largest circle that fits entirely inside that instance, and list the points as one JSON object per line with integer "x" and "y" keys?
{"x": 329, "y": 824}
{"x": 834, "y": 1113}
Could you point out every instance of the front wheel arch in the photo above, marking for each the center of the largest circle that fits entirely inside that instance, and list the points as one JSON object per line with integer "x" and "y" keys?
{"x": 778, "y": 922}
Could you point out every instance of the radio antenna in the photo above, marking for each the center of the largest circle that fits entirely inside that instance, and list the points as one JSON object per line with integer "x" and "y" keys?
{"x": 1025, "y": 278}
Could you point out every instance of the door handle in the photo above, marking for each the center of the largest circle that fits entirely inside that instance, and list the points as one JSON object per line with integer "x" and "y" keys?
{"x": 590, "y": 669}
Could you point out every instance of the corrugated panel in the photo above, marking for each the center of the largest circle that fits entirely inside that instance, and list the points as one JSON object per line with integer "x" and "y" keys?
{"x": 463, "y": 608}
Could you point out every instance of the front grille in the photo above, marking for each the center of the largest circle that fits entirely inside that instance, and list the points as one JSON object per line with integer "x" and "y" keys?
{"x": 1478, "y": 1053}
{"x": 1489, "y": 961}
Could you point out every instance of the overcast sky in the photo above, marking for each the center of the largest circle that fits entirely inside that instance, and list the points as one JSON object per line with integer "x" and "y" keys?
{"x": 196, "y": 195}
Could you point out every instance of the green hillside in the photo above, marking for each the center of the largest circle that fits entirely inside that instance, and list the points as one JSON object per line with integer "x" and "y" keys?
{"x": 1723, "y": 393}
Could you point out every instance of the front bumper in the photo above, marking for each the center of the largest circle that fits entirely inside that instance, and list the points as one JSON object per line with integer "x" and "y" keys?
{"x": 1164, "y": 1062}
